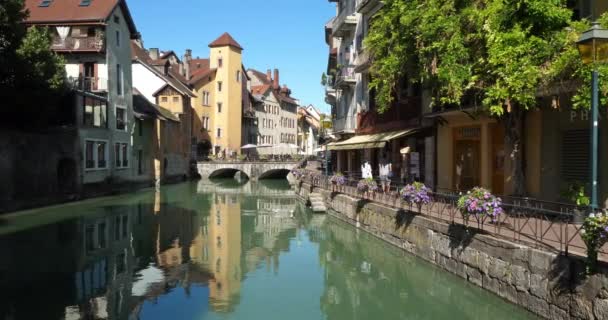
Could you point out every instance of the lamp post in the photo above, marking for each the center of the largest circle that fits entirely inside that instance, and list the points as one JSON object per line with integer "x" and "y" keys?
{"x": 593, "y": 47}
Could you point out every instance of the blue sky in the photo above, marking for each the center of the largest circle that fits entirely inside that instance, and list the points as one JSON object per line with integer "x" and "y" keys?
{"x": 283, "y": 34}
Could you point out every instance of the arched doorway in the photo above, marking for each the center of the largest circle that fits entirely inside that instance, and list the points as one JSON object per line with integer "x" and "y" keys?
{"x": 66, "y": 176}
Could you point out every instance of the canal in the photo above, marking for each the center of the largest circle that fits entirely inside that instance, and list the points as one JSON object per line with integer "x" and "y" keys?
{"x": 217, "y": 250}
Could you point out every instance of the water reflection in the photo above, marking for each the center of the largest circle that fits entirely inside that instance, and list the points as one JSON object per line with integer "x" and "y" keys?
{"x": 204, "y": 250}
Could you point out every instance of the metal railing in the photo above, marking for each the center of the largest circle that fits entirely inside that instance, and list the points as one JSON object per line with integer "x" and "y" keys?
{"x": 89, "y": 43}
{"x": 540, "y": 224}
{"x": 91, "y": 84}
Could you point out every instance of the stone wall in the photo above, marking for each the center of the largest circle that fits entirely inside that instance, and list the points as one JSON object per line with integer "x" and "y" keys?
{"x": 550, "y": 285}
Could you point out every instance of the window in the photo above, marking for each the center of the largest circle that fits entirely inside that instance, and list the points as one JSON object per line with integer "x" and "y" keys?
{"x": 264, "y": 123}
{"x": 45, "y": 3}
{"x": 117, "y": 38}
{"x": 85, "y": 3}
{"x": 206, "y": 96}
{"x": 219, "y": 107}
{"x": 205, "y": 122}
{"x": 95, "y": 154}
{"x": 91, "y": 32}
{"x": 121, "y": 118}
{"x": 94, "y": 113}
{"x": 175, "y": 99}
{"x": 163, "y": 99}
{"x": 220, "y": 62}
{"x": 121, "y": 155}
{"x": 219, "y": 86}
{"x": 89, "y": 155}
{"x": 238, "y": 76}
{"x": 219, "y": 132}
{"x": 119, "y": 78}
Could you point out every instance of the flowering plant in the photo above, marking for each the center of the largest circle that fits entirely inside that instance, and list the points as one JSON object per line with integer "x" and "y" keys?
{"x": 367, "y": 184}
{"x": 480, "y": 202}
{"x": 416, "y": 193}
{"x": 595, "y": 235}
{"x": 338, "y": 179}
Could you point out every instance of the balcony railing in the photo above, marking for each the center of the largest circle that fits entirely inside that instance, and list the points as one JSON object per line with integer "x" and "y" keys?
{"x": 404, "y": 113}
{"x": 91, "y": 84}
{"x": 346, "y": 124}
{"x": 346, "y": 76}
{"x": 92, "y": 43}
{"x": 345, "y": 22}
{"x": 365, "y": 6}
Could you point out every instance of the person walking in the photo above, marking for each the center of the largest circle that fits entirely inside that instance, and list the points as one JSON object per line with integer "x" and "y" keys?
{"x": 385, "y": 169}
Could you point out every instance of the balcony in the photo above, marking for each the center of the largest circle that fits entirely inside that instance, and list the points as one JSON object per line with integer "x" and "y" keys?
{"x": 81, "y": 44}
{"x": 344, "y": 24}
{"x": 346, "y": 76}
{"x": 402, "y": 114}
{"x": 89, "y": 84}
{"x": 346, "y": 124}
{"x": 362, "y": 62}
{"x": 366, "y": 6}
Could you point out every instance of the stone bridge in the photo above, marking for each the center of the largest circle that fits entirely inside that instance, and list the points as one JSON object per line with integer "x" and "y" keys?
{"x": 253, "y": 170}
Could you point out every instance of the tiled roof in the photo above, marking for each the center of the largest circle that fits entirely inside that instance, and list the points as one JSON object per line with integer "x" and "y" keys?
{"x": 263, "y": 77}
{"x": 177, "y": 81}
{"x": 146, "y": 109}
{"x": 70, "y": 11}
{"x": 225, "y": 40}
{"x": 201, "y": 75}
{"x": 260, "y": 90}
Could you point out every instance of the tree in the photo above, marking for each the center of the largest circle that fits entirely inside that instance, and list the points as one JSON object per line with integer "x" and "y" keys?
{"x": 32, "y": 77}
{"x": 495, "y": 54}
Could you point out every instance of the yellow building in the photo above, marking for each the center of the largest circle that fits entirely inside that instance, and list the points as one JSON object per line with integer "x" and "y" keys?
{"x": 224, "y": 241}
{"x": 218, "y": 84}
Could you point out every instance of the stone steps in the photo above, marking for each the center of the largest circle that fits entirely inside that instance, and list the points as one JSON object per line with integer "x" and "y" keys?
{"x": 316, "y": 202}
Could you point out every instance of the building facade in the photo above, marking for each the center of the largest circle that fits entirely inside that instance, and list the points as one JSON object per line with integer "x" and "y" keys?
{"x": 309, "y": 125}
{"x": 98, "y": 65}
{"x": 276, "y": 113}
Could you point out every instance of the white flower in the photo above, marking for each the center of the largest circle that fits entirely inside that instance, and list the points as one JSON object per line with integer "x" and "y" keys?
{"x": 591, "y": 215}
{"x": 582, "y": 231}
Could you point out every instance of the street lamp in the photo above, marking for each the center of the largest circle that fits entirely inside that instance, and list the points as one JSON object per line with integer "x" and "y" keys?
{"x": 593, "y": 47}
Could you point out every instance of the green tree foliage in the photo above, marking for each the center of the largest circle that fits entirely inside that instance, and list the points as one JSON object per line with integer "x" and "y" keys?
{"x": 32, "y": 77}
{"x": 496, "y": 54}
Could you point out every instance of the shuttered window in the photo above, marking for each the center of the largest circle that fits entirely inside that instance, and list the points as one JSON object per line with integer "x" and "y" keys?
{"x": 575, "y": 155}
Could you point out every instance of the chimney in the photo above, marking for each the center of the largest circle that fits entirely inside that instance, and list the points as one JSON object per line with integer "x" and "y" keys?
{"x": 181, "y": 68}
{"x": 276, "y": 79}
{"x": 154, "y": 53}
{"x": 187, "y": 69}
{"x": 188, "y": 55}
{"x": 269, "y": 75}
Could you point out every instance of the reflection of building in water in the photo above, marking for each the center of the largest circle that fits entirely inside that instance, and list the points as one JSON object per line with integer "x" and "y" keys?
{"x": 224, "y": 251}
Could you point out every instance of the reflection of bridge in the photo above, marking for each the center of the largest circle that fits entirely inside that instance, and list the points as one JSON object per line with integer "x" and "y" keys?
{"x": 253, "y": 170}
{"x": 251, "y": 188}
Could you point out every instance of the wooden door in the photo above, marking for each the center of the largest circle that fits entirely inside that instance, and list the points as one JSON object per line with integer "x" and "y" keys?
{"x": 467, "y": 158}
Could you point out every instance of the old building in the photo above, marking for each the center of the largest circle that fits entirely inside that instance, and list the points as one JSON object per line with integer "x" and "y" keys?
{"x": 93, "y": 37}
{"x": 276, "y": 113}
{"x": 218, "y": 85}
{"x": 163, "y": 86}
{"x": 309, "y": 125}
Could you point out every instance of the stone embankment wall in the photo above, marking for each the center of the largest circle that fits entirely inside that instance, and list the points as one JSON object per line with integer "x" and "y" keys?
{"x": 550, "y": 285}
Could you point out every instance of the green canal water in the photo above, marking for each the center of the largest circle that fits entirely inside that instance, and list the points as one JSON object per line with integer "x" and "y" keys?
{"x": 217, "y": 250}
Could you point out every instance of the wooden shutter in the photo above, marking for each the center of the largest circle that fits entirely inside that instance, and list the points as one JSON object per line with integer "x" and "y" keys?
{"x": 575, "y": 155}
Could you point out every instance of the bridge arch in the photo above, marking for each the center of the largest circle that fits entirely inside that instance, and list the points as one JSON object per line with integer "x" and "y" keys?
{"x": 274, "y": 173}
{"x": 227, "y": 173}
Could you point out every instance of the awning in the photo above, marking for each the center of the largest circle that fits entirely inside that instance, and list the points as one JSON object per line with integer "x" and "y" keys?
{"x": 370, "y": 141}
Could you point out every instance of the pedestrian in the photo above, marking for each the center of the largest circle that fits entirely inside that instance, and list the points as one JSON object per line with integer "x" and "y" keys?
{"x": 385, "y": 170}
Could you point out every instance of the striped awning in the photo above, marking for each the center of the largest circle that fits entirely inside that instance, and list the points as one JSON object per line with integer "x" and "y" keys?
{"x": 370, "y": 141}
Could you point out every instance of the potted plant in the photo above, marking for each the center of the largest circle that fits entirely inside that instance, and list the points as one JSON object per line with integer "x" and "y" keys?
{"x": 416, "y": 194}
{"x": 367, "y": 185}
{"x": 575, "y": 193}
{"x": 595, "y": 235}
{"x": 479, "y": 203}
